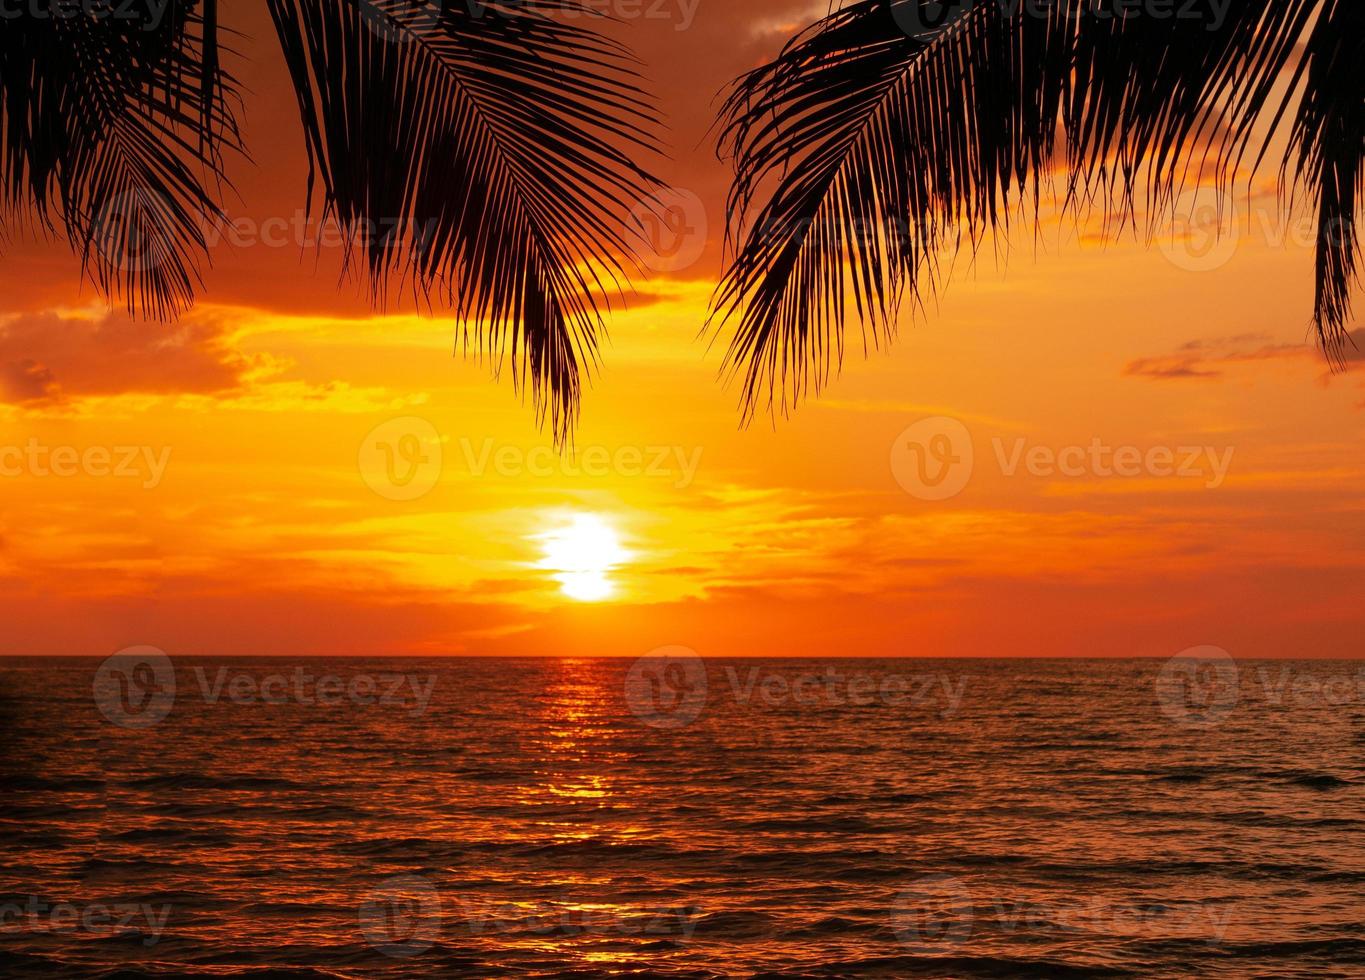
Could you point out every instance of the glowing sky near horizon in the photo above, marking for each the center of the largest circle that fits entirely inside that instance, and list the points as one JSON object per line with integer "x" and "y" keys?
{"x": 293, "y": 513}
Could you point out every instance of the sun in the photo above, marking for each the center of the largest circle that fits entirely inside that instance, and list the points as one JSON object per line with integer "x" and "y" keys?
{"x": 582, "y": 554}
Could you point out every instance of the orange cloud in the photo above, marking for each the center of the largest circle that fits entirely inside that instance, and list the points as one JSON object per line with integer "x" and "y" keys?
{"x": 49, "y": 358}
{"x": 1206, "y": 359}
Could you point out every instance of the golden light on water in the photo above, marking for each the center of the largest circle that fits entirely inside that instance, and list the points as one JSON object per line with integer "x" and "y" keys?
{"x": 582, "y": 555}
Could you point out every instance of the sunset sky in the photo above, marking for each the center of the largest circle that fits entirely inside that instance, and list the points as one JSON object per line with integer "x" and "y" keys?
{"x": 271, "y": 530}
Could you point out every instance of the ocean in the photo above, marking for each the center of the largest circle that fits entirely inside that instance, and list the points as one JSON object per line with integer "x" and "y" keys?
{"x": 682, "y": 818}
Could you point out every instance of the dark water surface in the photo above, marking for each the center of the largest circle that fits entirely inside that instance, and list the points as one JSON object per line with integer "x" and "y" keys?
{"x": 549, "y": 818}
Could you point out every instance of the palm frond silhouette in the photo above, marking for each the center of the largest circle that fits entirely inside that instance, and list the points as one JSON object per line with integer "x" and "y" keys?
{"x": 892, "y": 131}
{"x": 112, "y": 132}
{"x": 481, "y": 151}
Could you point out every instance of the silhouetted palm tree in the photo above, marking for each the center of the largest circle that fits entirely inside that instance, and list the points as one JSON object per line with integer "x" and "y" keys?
{"x": 481, "y": 149}
{"x": 888, "y": 133}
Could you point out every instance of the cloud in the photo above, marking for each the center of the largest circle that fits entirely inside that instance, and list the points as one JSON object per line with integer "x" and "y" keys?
{"x": 1208, "y": 359}
{"x": 26, "y": 380}
{"x": 1353, "y": 351}
{"x": 785, "y": 19}
{"x": 1170, "y": 367}
{"x": 51, "y": 358}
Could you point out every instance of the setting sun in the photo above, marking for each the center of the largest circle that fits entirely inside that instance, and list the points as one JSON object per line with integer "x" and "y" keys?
{"x": 582, "y": 555}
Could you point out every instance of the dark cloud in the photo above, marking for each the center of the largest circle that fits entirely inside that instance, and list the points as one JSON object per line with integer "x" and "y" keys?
{"x": 1167, "y": 368}
{"x": 1207, "y": 359}
{"x": 1354, "y": 348}
{"x": 48, "y": 358}
{"x": 26, "y": 380}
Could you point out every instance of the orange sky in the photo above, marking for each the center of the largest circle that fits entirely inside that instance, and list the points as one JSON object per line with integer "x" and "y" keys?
{"x": 261, "y": 530}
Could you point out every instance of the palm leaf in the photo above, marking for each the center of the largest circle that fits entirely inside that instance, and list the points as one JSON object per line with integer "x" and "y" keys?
{"x": 483, "y": 153}
{"x": 1328, "y": 154}
{"x": 878, "y": 141}
{"x": 112, "y": 130}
